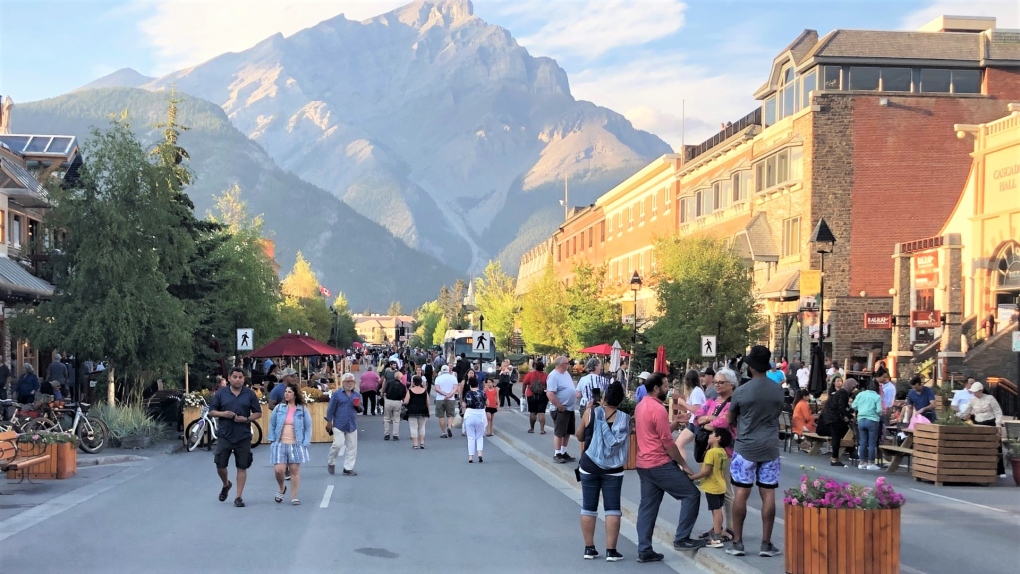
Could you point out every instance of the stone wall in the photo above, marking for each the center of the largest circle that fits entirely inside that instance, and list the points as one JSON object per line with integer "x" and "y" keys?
{"x": 847, "y": 319}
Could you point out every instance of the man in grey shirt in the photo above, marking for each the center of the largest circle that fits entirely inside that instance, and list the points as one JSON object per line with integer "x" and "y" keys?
{"x": 562, "y": 394}
{"x": 754, "y": 412}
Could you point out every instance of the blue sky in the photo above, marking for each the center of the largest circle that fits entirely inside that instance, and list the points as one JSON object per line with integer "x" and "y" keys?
{"x": 641, "y": 58}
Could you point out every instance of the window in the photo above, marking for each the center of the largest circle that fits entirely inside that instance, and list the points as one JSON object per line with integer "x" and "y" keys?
{"x": 791, "y": 236}
{"x": 591, "y": 236}
{"x": 666, "y": 201}
{"x": 770, "y": 111}
{"x": 630, "y": 217}
{"x": 864, "y": 78}
{"x": 616, "y": 270}
{"x": 684, "y": 218}
{"x": 782, "y": 166}
{"x": 699, "y": 204}
{"x": 740, "y": 184}
{"x": 3, "y": 226}
{"x": 575, "y": 246}
{"x": 619, "y": 223}
{"x": 779, "y": 168}
{"x": 16, "y": 230}
{"x": 602, "y": 231}
{"x": 966, "y": 81}
{"x": 655, "y": 203}
{"x": 896, "y": 79}
{"x": 807, "y": 87}
{"x": 831, "y": 77}
{"x": 717, "y": 195}
{"x": 641, "y": 212}
{"x": 935, "y": 80}
{"x": 559, "y": 252}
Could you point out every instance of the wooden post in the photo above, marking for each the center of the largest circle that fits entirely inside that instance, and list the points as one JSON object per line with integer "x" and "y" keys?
{"x": 111, "y": 396}
{"x": 186, "y": 378}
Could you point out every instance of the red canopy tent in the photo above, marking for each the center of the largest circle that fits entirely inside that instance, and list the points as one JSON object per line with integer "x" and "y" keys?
{"x": 603, "y": 349}
{"x": 291, "y": 345}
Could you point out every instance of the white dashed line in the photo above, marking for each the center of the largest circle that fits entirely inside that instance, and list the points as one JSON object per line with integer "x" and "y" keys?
{"x": 326, "y": 496}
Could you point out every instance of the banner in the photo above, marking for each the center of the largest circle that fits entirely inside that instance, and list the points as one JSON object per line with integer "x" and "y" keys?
{"x": 925, "y": 319}
{"x": 878, "y": 320}
{"x": 810, "y": 288}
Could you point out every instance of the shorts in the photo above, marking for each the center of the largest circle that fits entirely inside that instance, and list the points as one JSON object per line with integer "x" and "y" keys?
{"x": 715, "y": 501}
{"x": 491, "y": 410}
{"x": 538, "y": 405}
{"x": 281, "y": 453}
{"x": 446, "y": 408}
{"x": 563, "y": 423}
{"x": 241, "y": 451}
{"x": 745, "y": 473}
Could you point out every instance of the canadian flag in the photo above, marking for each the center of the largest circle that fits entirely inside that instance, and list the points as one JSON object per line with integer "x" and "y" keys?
{"x": 325, "y": 292}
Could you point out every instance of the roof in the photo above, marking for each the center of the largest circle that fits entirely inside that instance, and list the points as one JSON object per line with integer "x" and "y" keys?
{"x": 782, "y": 285}
{"x": 14, "y": 279}
{"x": 30, "y": 144}
{"x": 20, "y": 175}
{"x": 21, "y": 187}
{"x": 755, "y": 242}
{"x": 899, "y": 45}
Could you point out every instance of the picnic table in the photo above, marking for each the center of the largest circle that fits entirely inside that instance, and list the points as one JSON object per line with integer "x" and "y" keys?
{"x": 898, "y": 452}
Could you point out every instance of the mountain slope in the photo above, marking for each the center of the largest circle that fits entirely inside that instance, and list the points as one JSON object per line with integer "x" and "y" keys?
{"x": 122, "y": 78}
{"x": 428, "y": 120}
{"x": 348, "y": 252}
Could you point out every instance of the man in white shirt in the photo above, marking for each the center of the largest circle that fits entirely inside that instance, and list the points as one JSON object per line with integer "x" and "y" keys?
{"x": 888, "y": 391}
{"x": 562, "y": 395}
{"x": 446, "y": 404}
{"x": 593, "y": 385}
{"x": 962, "y": 396}
{"x": 803, "y": 376}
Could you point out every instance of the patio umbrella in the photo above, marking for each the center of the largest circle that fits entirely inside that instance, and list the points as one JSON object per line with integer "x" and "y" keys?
{"x": 660, "y": 360}
{"x": 291, "y": 345}
{"x": 605, "y": 349}
{"x": 816, "y": 382}
{"x": 615, "y": 352}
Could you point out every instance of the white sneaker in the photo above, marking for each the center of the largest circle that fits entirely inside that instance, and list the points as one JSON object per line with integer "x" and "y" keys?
{"x": 873, "y": 467}
{"x": 862, "y": 466}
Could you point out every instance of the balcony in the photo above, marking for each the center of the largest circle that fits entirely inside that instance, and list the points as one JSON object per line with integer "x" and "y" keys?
{"x": 751, "y": 119}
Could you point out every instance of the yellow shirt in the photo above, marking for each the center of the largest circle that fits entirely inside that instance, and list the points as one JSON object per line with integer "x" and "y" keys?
{"x": 715, "y": 483}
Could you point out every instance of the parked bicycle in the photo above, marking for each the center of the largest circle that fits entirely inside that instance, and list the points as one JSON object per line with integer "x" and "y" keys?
{"x": 92, "y": 432}
{"x": 202, "y": 431}
{"x": 11, "y": 416}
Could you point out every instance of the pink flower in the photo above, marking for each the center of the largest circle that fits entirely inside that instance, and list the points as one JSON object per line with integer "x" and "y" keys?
{"x": 35, "y": 437}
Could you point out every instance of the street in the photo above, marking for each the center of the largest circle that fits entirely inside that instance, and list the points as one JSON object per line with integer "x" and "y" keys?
{"x": 428, "y": 511}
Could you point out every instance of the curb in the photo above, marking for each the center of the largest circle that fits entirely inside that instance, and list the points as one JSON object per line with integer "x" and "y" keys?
{"x": 110, "y": 459}
{"x": 715, "y": 562}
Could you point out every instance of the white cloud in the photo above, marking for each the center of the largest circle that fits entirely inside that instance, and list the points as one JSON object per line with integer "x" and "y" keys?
{"x": 184, "y": 33}
{"x": 1007, "y": 12}
{"x": 590, "y": 29}
{"x": 652, "y": 90}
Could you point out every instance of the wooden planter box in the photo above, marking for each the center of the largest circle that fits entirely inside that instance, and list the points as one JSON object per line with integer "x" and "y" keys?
{"x": 632, "y": 453}
{"x": 962, "y": 453}
{"x": 63, "y": 462}
{"x": 190, "y": 414}
{"x": 318, "y": 412}
{"x": 841, "y": 541}
{"x": 355, "y": 367}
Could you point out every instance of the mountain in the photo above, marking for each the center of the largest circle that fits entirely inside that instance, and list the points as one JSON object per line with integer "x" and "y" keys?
{"x": 429, "y": 121}
{"x": 348, "y": 252}
{"x": 122, "y": 78}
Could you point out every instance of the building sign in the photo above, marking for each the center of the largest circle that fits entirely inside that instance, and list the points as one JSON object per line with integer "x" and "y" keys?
{"x": 1002, "y": 175}
{"x": 925, "y": 319}
{"x": 878, "y": 320}
{"x": 926, "y": 269}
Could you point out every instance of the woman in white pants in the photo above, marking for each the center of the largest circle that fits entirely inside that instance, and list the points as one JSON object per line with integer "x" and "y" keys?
{"x": 474, "y": 419}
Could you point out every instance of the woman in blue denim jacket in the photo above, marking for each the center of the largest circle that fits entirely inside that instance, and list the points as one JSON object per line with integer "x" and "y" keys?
{"x": 290, "y": 432}
{"x": 606, "y": 432}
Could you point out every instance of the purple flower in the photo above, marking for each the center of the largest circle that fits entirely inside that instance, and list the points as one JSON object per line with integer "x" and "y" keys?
{"x": 35, "y": 437}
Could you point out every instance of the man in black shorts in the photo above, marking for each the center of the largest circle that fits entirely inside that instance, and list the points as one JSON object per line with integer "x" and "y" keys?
{"x": 236, "y": 406}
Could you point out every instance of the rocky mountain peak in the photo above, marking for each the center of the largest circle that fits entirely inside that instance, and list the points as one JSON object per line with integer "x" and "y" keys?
{"x": 428, "y": 13}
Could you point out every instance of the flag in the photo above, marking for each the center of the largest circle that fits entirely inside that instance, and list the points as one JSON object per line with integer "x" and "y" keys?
{"x": 325, "y": 292}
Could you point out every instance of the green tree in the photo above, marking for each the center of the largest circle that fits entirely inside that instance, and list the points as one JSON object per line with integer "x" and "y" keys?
{"x": 440, "y": 333}
{"x": 345, "y": 332}
{"x": 593, "y": 318}
{"x": 544, "y": 323}
{"x": 395, "y": 309}
{"x": 301, "y": 282}
{"x": 426, "y": 320}
{"x": 112, "y": 300}
{"x": 702, "y": 284}
{"x": 303, "y": 305}
{"x": 496, "y": 299}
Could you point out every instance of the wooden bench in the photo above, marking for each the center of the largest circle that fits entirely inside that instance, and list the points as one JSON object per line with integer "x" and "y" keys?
{"x": 816, "y": 441}
{"x": 11, "y": 461}
{"x": 898, "y": 452}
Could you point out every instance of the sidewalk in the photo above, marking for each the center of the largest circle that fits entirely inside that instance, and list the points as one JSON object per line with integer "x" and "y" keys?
{"x": 512, "y": 427}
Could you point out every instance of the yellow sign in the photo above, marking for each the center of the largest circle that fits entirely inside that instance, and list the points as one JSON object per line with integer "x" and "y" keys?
{"x": 810, "y": 282}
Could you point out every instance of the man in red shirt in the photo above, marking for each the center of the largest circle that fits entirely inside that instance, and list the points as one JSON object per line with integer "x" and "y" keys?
{"x": 661, "y": 469}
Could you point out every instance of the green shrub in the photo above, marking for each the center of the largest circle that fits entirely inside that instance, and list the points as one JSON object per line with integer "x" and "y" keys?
{"x": 128, "y": 420}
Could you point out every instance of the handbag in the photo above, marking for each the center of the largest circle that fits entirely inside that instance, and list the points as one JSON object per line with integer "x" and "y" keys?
{"x": 457, "y": 421}
{"x": 403, "y": 412}
{"x": 701, "y": 438}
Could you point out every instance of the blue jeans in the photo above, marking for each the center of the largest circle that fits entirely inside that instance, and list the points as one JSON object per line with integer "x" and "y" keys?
{"x": 667, "y": 478}
{"x": 610, "y": 487}
{"x": 869, "y": 431}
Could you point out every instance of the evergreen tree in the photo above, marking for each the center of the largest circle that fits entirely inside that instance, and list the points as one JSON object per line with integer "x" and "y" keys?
{"x": 395, "y": 309}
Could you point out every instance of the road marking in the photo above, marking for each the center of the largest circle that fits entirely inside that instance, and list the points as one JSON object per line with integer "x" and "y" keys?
{"x": 326, "y": 496}
{"x": 960, "y": 501}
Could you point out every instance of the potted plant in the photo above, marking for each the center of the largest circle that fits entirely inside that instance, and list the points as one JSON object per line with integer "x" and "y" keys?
{"x": 951, "y": 450}
{"x": 1011, "y": 450}
{"x": 61, "y": 447}
{"x": 837, "y": 527}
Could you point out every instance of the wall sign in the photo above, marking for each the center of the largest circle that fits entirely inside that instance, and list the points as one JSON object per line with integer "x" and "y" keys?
{"x": 925, "y": 319}
{"x": 878, "y": 320}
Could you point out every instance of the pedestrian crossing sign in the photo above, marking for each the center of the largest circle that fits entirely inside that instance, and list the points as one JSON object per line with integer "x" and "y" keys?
{"x": 481, "y": 341}
{"x": 708, "y": 348}
{"x": 245, "y": 339}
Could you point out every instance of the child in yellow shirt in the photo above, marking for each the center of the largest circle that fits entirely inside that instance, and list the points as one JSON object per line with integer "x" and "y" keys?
{"x": 713, "y": 480}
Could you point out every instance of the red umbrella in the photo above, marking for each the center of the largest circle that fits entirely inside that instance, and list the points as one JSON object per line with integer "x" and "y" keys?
{"x": 291, "y": 345}
{"x": 660, "y": 360}
{"x": 603, "y": 349}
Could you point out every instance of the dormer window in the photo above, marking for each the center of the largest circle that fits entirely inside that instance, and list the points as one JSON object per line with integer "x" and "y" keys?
{"x": 791, "y": 94}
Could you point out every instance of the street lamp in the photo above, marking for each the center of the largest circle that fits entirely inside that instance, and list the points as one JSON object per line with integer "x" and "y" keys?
{"x": 824, "y": 242}
{"x": 635, "y": 286}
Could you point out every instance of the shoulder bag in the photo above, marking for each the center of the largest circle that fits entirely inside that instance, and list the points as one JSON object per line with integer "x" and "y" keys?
{"x": 701, "y": 439}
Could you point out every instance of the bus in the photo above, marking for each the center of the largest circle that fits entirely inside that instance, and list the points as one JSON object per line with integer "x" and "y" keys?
{"x": 457, "y": 341}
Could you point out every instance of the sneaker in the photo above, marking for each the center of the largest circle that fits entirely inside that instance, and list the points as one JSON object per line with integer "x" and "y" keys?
{"x": 422, "y": 447}
{"x": 387, "y": 437}
{"x": 862, "y": 466}
{"x": 395, "y": 437}
{"x": 612, "y": 555}
{"x": 414, "y": 447}
{"x": 768, "y": 550}
{"x": 650, "y": 557}
{"x": 714, "y": 542}
{"x": 590, "y": 553}
{"x": 736, "y": 549}
{"x": 689, "y": 544}
{"x": 331, "y": 468}
{"x": 449, "y": 433}
{"x": 568, "y": 458}
{"x": 350, "y": 473}
{"x": 837, "y": 463}
{"x": 873, "y": 467}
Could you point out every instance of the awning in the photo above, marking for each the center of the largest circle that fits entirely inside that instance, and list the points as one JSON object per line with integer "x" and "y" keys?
{"x": 755, "y": 242}
{"x": 20, "y": 186}
{"x": 15, "y": 280}
{"x": 783, "y": 286}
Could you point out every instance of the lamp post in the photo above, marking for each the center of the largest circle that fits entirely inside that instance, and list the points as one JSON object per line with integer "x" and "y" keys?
{"x": 635, "y": 286}
{"x": 824, "y": 242}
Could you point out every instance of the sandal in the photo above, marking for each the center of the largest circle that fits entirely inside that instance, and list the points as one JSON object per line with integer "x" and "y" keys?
{"x": 279, "y": 495}
{"x": 295, "y": 502}
{"x": 531, "y": 431}
{"x": 543, "y": 432}
{"x": 238, "y": 502}
{"x": 225, "y": 491}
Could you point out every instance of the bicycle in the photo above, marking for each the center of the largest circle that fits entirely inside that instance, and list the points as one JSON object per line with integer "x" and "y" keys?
{"x": 92, "y": 432}
{"x": 202, "y": 431}
{"x": 14, "y": 421}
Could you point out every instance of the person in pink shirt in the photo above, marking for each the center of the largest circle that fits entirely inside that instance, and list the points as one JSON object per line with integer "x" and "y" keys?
{"x": 715, "y": 414}
{"x": 370, "y": 390}
{"x": 661, "y": 470}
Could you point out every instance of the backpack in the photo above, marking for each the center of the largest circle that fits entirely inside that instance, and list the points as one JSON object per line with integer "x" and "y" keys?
{"x": 395, "y": 390}
{"x": 538, "y": 385}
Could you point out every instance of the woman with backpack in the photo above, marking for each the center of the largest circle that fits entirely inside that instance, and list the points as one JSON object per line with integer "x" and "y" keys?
{"x": 534, "y": 393}
{"x": 606, "y": 433}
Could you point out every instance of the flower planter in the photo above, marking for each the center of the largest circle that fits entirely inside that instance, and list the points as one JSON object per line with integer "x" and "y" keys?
{"x": 955, "y": 453}
{"x": 318, "y": 412}
{"x": 1016, "y": 470}
{"x": 63, "y": 462}
{"x": 355, "y": 367}
{"x": 841, "y": 541}
{"x": 190, "y": 414}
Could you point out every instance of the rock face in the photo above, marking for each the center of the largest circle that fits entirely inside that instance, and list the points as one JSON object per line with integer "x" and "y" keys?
{"x": 429, "y": 121}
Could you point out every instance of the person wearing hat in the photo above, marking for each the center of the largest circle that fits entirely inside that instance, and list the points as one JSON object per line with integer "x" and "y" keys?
{"x": 276, "y": 395}
{"x": 708, "y": 383}
{"x": 985, "y": 411}
{"x": 446, "y": 403}
{"x": 754, "y": 412}
{"x": 640, "y": 392}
